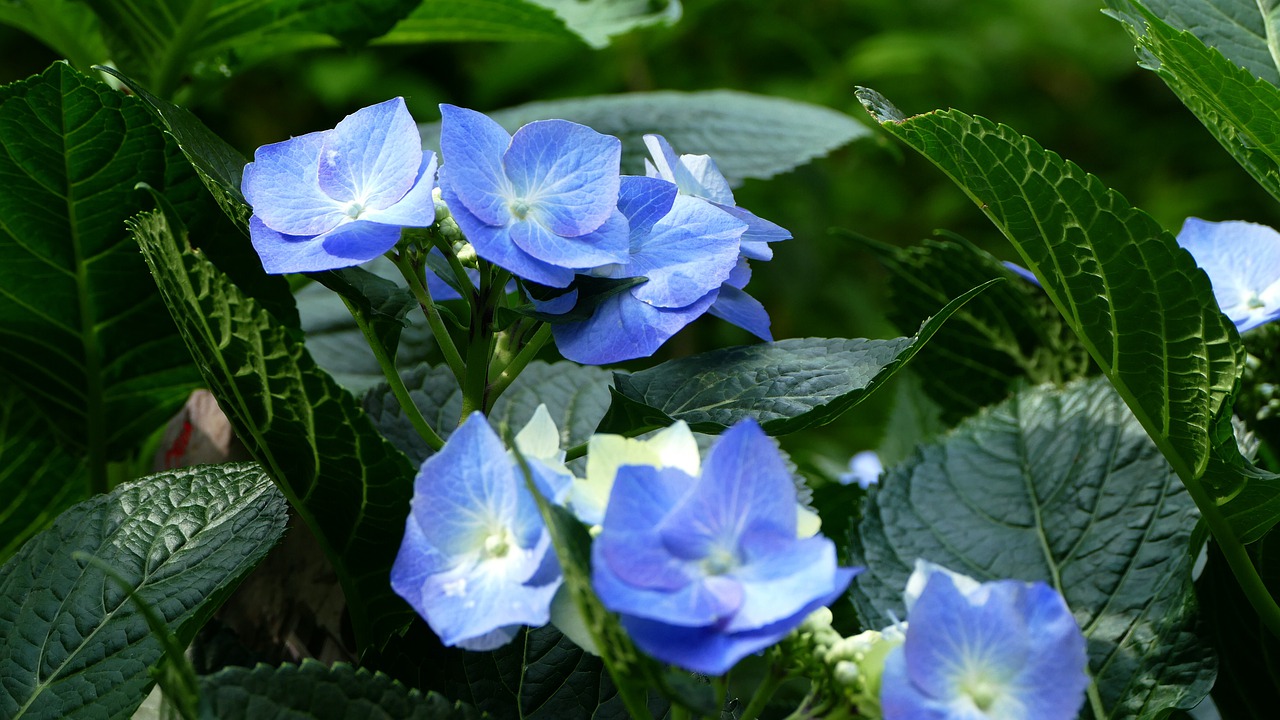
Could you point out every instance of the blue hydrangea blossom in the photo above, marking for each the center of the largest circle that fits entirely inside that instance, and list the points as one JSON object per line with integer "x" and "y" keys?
{"x": 476, "y": 561}
{"x": 698, "y": 176}
{"x": 339, "y": 198}
{"x": 687, "y": 249}
{"x": 865, "y": 469}
{"x": 541, "y": 203}
{"x": 1005, "y": 649}
{"x": 1242, "y": 260}
{"x": 707, "y": 570}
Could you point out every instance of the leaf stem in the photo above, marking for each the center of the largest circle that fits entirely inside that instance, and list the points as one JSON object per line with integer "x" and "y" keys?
{"x": 165, "y": 81}
{"x": 398, "y": 388}
{"x": 418, "y": 286}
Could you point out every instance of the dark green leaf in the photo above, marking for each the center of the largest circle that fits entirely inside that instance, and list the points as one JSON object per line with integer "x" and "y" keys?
{"x": 1240, "y": 109}
{"x": 384, "y": 304}
{"x": 1010, "y": 332}
{"x": 478, "y": 20}
{"x": 1245, "y": 31}
{"x": 67, "y": 26}
{"x": 1136, "y": 300}
{"x": 786, "y": 386}
{"x": 749, "y": 136}
{"x": 1061, "y": 486}
{"x": 314, "y": 690}
{"x": 38, "y": 480}
{"x": 71, "y": 642}
{"x": 82, "y": 330}
{"x": 576, "y": 396}
{"x": 596, "y": 21}
{"x": 349, "y": 485}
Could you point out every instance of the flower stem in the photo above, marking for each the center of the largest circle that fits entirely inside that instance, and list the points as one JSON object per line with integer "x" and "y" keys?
{"x": 398, "y": 388}
{"x": 519, "y": 362}
{"x": 764, "y": 692}
{"x": 417, "y": 285}
{"x": 475, "y": 385}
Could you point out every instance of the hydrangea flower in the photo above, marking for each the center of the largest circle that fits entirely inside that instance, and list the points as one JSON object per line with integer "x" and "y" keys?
{"x": 865, "y": 469}
{"x": 541, "y": 203}
{"x": 673, "y": 446}
{"x": 1242, "y": 260}
{"x": 698, "y": 176}
{"x": 687, "y": 249}
{"x": 338, "y": 198}
{"x": 1006, "y": 649}
{"x": 476, "y": 560}
{"x": 707, "y": 570}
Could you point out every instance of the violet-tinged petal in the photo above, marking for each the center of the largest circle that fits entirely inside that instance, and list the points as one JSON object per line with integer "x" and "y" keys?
{"x": 347, "y": 245}
{"x": 739, "y": 308}
{"x": 688, "y": 253}
{"x": 472, "y": 146}
{"x": 745, "y": 483}
{"x": 564, "y": 174}
{"x": 780, "y": 581}
{"x": 282, "y": 186}
{"x": 624, "y": 329}
{"x": 690, "y": 605}
{"x": 494, "y": 244}
{"x": 644, "y": 200}
{"x": 608, "y": 244}
{"x": 417, "y": 208}
{"x": 695, "y": 175}
{"x": 372, "y": 158}
{"x": 1242, "y": 260}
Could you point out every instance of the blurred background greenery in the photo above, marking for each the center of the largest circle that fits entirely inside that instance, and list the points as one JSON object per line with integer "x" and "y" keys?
{"x": 1057, "y": 70}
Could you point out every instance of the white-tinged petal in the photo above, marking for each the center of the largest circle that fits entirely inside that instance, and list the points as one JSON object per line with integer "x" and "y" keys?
{"x": 372, "y": 157}
{"x": 283, "y": 187}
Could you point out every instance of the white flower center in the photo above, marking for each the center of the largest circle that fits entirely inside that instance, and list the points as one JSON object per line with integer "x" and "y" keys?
{"x": 981, "y": 688}
{"x": 498, "y": 544}
{"x": 719, "y": 562}
{"x": 1254, "y": 302}
{"x": 354, "y": 209}
{"x": 520, "y": 208}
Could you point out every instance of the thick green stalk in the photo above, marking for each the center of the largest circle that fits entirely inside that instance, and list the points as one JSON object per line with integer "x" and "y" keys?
{"x": 765, "y": 690}
{"x": 476, "y": 383}
{"x": 398, "y": 388}
{"x": 418, "y": 286}
{"x": 519, "y": 362}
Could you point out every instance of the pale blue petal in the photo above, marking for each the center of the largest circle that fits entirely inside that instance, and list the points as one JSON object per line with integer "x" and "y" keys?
{"x": 282, "y": 186}
{"x": 644, "y": 201}
{"x": 745, "y": 485}
{"x": 740, "y": 275}
{"x": 1053, "y": 679}
{"x": 491, "y": 640}
{"x": 417, "y": 559}
{"x": 494, "y": 244}
{"x": 865, "y": 469}
{"x": 779, "y": 583}
{"x": 566, "y": 173}
{"x": 585, "y": 251}
{"x": 623, "y": 328}
{"x": 629, "y": 545}
{"x": 900, "y": 700}
{"x": 557, "y": 305}
{"x": 372, "y": 157}
{"x": 416, "y": 208}
{"x": 472, "y": 146}
{"x": 739, "y": 308}
{"x": 695, "y": 175}
{"x": 346, "y": 246}
{"x": 1242, "y": 260}
{"x": 759, "y": 233}
{"x": 472, "y": 602}
{"x": 688, "y": 253}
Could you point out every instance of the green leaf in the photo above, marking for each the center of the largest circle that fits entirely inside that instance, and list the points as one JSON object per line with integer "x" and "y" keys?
{"x": 478, "y": 20}
{"x": 67, "y": 26}
{"x": 1238, "y": 108}
{"x": 576, "y": 396}
{"x": 1009, "y": 333}
{"x": 597, "y": 21}
{"x": 786, "y": 385}
{"x": 1136, "y": 300}
{"x": 37, "y": 479}
{"x": 71, "y": 642}
{"x": 383, "y": 303}
{"x": 1245, "y": 31}
{"x": 82, "y": 330}
{"x": 1061, "y": 486}
{"x": 314, "y": 690}
{"x": 749, "y": 136}
{"x": 349, "y": 485}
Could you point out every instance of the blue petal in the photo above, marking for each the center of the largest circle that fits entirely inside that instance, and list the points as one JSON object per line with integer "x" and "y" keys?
{"x": 695, "y": 175}
{"x": 1021, "y": 272}
{"x": 900, "y": 700}
{"x": 740, "y": 275}
{"x": 345, "y": 246}
{"x": 372, "y": 157}
{"x": 781, "y": 580}
{"x": 282, "y": 186}
{"x": 417, "y": 208}
{"x": 1242, "y": 260}
{"x": 644, "y": 201}
{"x": 688, "y": 253}
{"x": 567, "y": 174}
{"x": 691, "y": 605}
{"x": 494, "y": 243}
{"x": 759, "y": 233}
{"x": 472, "y": 146}
{"x": 607, "y": 244}
{"x": 557, "y": 305}
{"x": 739, "y": 308}
{"x": 623, "y": 328}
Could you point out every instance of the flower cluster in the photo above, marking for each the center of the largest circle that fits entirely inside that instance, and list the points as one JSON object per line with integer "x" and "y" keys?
{"x": 705, "y": 564}
{"x": 548, "y": 204}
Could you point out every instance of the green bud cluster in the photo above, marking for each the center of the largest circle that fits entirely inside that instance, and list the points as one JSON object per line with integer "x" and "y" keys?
{"x": 844, "y": 670}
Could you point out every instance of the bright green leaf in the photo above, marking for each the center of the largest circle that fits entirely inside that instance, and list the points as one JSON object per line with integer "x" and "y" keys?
{"x": 786, "y": 385}
{"x": 1245, "y": 31}
{"x": 597, "y": 21}
{"x": 1062, "y": 486}
{"x": 749, "y": 136}
{"x": 478, "y": 20}
{"x": 38, "y": 480}
{"x": 349, "y": 485}
{"x": 72, "y": 644}
{"x": 316, "y": 691}
{"x": 1241, "y": 110}
{"x": 82, "y": 330}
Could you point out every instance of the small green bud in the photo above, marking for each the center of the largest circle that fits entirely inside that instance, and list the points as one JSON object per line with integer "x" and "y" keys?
{"x": 466, "y": 254}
